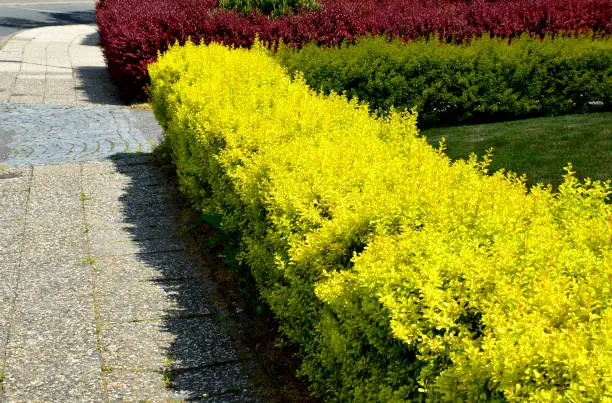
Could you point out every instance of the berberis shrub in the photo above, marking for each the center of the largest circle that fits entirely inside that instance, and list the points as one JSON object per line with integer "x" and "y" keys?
{"x": 400, "y": 275}
{"x": 449, "y": 83}
{"x": 132, "y": 31}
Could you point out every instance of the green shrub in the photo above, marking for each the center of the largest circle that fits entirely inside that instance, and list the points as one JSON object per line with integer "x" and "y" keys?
{"x": 400, "y": 275}
{"x": 486, "y": 80}
{"x": 268, "y": 7}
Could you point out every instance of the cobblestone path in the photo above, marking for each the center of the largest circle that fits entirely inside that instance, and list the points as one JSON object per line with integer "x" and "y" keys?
{"x": 57, "y": 104}
{"x": 98, "y": 299}
{"x": 52, "y": 134}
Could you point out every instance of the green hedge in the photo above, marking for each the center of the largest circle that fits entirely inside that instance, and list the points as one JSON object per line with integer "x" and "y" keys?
{"x": 486, "y": 80}
{"x": 268, "y": 7}
{"x": 400, "y": 275}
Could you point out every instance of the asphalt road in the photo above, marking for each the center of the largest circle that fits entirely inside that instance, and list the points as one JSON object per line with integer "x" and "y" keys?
{"x": 16, "y": 15}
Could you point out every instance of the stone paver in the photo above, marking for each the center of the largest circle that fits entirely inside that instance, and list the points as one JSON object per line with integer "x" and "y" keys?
{"x": 98, "y": 300}
{"x": 101, "y": 327}
{"x": 57, "y": 104}
{"x": 52, "y": 134}
{"x": 55, "y": 65}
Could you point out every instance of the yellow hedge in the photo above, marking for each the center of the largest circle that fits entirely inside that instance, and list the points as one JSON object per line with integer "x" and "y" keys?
{"x": 399, "y": 275}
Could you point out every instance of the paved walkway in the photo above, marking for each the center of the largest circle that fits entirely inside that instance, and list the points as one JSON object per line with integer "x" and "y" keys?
{"x": 98, "y": 300}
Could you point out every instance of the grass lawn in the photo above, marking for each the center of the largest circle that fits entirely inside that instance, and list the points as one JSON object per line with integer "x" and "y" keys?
{"x": 538, "y": 147}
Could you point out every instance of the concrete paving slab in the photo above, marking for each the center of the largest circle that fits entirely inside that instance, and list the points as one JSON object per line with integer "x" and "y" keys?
{"x": 230, "y": 398}
{"x": 14, "y": 180}
{"x": 33, "y": 375}
{"x": 27, "y": 98}
{"x": 59, "y": 280}
{"x": 95, "y": 169}
{"x": 4, "y": 332}
{"x": 172, "y": 344}
{"x": 52, "y": 352}
{"x": 151, "y": 266}
{"x": 115, "y": 217}
{"x": 29, "y": 84}
{"x": 12, "y": 238}
{"x": 71, "y": 233}
{"x": 7, "y": 82}
{"x": 116, "y": 192}
{"x": 112, "y": 187}
{"x": 43, "y": 218}
{"x": 38, "y": 55}
{"x": 61, "y": 246}
{"x": 138, "y": 158}
{"x": 42, "y": 203}
{"x": 124, "y": 300}
{"x": 45, "y": 198}
{"x": 207, "y": 382}
{"x": 113, "y": 247}
{"x": 66, "y": 169}
{"x": 138, "y": 386}
{"x": 9, "y": 268}
{"x": 136, "y": 201}
{"x": 127, "y": 234}
{"x": 58, "y": 99}
{"x": 13, "y": 204}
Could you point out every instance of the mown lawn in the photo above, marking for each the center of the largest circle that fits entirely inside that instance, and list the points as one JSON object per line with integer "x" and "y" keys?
{"x": 538, "y": 147}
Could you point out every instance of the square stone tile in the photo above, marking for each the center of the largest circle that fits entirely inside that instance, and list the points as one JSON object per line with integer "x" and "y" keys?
{"x": 124, "y": 300}
{"x": 27, "y": 99}
{"x": 137, "y": 386}
{"x": 14, "y": 179}
{"x": 156, "y": 346}
{"x": 12, "y": 239}
{"x": 71, "y": 170}
{"x": 9, "y": 270}
{"x": 65, "y": 227}
{"x": 207, "y": 382}
{"x": 13, "y": 204}
{"x": 57, "y": 286}
{"x": 153, "y": 266}
{"x": 64, "y": 245}
{"x": 44, "y": 366}
{"x": 116, "y": 243}
{"x": 52, "y": 351}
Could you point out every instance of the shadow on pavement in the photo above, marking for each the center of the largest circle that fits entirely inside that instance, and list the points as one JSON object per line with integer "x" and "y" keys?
{"x": 201, "y": 362}
{"x": 45, "y": 19}
{"x": 97, "y": 85}
{"x": 91, "y": 40}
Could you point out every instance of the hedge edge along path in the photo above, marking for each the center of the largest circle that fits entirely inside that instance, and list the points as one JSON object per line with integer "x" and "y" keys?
{"x": 400, "y": 275}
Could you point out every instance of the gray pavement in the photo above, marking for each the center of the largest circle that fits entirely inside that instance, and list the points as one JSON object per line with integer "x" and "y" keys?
{"x": 98, "y": 299}
{"x": 19, "y": 15}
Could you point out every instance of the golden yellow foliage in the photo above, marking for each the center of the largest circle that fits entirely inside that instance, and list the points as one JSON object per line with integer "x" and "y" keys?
{"x": 399, "y": 275}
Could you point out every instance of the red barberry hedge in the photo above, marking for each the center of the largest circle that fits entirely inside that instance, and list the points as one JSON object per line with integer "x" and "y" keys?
{"x": 133, "y": 31}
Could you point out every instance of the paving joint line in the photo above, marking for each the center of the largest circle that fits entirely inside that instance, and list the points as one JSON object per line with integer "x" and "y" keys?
{"x": 72, "y": 67}
{"x": 15, "y": 296}
{"x": 160, "y": 319}
{"x": 140, "y": 253}
{"x": 21, "y": 63}
{"x": 93, "y": 273}
{"x": 46, "y": 72}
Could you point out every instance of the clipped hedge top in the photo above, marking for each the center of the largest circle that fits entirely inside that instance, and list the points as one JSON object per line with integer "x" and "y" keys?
{"x": 487, "y": 80}
{"x": 372, "y": 247}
